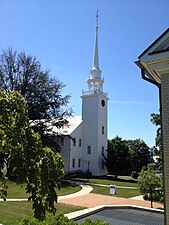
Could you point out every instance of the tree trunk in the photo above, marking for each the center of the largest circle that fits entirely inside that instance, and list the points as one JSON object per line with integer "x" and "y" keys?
{"x": 151, "y": 198}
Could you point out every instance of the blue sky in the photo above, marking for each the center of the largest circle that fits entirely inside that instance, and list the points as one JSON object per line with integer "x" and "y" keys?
{"x": 61, "y": 34}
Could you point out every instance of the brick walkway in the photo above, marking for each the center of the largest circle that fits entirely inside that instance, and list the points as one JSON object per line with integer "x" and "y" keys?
{"x": 92, "y": 200}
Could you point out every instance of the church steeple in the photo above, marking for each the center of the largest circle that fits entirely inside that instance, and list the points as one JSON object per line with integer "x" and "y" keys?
{"x": 94, "y": 81}
{"x": 96, "y": 55}
{"x": 94, "y": 117}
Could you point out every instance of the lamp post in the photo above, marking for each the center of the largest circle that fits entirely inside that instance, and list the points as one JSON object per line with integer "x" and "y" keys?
{"x": 88, "y": 168}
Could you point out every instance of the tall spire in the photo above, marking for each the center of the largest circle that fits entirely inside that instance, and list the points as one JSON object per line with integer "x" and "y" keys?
{"x": 95, "y": 82}
{"x": 95, "y": 71}
{"x": 96, "y": 55}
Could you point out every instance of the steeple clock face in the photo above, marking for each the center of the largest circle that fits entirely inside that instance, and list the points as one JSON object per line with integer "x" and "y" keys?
{"x": 103, "y": 103}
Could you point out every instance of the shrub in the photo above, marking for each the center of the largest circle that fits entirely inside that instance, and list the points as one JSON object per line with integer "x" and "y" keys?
{"x": 134, "y": 174}
{"x": 58, "y": 219}
{"x": 97, "y": 222}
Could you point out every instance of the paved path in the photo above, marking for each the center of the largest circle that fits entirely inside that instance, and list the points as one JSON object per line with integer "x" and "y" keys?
{"x": 92, "y": 200}
{"x": 89, "y": 200}
{"x": 85, "y": 190}
{"x": 14, "y": 200}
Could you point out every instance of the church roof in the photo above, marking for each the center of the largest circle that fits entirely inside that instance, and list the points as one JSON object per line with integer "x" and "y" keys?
{"x": 73, "y": 123}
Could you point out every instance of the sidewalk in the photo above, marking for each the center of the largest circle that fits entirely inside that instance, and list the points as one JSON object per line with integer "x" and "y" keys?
{"x": 92, "y": 200}
{"x": 85, "y": 190}
{"x": 86, "y": 199}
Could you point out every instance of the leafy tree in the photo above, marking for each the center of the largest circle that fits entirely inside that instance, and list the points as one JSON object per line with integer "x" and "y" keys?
{"x": 125, "y": 156}
{"x": 139, "y": 154}
{"x": 117, "y": 156}
{"x": 150, "y": 184}
{"x": 22, "y": 72}
{"x": 156, "y": 120}
{"x": 39, "y": 167}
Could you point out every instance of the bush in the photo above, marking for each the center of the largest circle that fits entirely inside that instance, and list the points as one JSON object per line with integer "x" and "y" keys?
{"x": 145, "y": 197}
{"x": 58, "y": 219}
{"x": 134, "y": 174}
{"x": 97, "y": 222}
{"x": 157, "y": 196}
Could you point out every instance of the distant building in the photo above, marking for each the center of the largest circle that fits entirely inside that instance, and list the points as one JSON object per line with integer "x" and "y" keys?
{"x": 85, "y": 140}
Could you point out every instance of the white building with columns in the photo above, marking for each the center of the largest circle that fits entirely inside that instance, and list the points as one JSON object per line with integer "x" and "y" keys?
{"x": 85, "y": 139}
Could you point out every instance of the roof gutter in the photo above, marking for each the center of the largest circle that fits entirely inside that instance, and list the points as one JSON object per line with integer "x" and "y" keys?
{"x": 146, "y": 75}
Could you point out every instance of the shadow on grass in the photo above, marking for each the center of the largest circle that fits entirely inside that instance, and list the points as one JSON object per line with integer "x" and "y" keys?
{"x": 81, "y": 177}
{"x": 110, "y": 177}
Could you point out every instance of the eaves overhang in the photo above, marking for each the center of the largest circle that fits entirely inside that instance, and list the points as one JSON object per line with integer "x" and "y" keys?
{"x": 153, "y": 70}
{"x": 154, "y": 61}
{"x": 148, "y": 75}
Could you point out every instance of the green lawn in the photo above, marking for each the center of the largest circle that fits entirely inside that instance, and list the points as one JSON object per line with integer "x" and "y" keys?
{"x": 121, "y": 181}
{"x": 18, "y": 191}
{"x": 11, "y": 212}
{"x": 120, "y": 192}
{"x": 68, "y": 188}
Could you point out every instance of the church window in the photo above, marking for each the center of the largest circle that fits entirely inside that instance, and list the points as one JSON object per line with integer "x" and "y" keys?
{"x": 80, "y": 142}
{"x": 102, "y": 129}
{"x": 79, "y": 163}
{"x": 102, "y": 150}
{"x": 89, "y": 150}
{"x": 62, "y": 141}
{"x": 103, "y": 164}
{"x": 73, "y": 163}
{"x": 102, "y": 103}
{"x": 74, "y": 141}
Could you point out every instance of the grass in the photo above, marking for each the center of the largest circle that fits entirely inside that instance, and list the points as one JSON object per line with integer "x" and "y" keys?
{"x": 120, "y": 192}
{"x": 68, "y": 188}
{"x": 120, "y": 181}
{"x": 18, "y": 191}
{"x": 11, "y": 212}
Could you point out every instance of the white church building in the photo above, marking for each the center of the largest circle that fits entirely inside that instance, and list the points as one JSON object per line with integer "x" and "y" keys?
{"x": 85, "y": 139}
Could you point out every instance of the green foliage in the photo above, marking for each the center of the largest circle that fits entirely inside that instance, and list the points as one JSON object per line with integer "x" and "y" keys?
{"x": 139, "y": 154}
{"x": 28, "y": 161}
{"x": 156, "y": 120}
{"x": 134, "y": 174}
{"x": 58, "y": 219}
{"x": 117, "y": 156}
{"x": 150, "y": 184}
{"x": 22, "y": 72}
{"x": 125, "y": 156}
{"x": 97, "y": 222}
